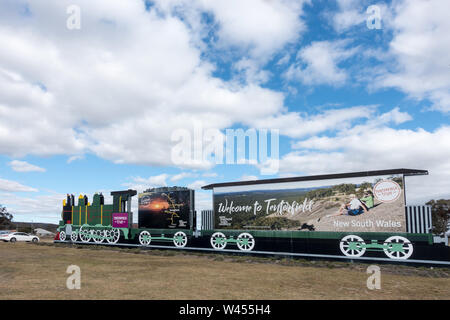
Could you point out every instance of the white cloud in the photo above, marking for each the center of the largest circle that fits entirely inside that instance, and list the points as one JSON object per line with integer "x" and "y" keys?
{"x": 210, "y": 175}
{"x": 120, "y": 85}
{"x": 257, "y": 27}
{"x": 284, "y": 60}
{"x": 140, "y": 184}
{"x": 23, "y": 166}
{"x": 418, "y": 51}
{"x": 182, "y": 175}
{"x": 349, "y": 14}
{"x": 251, "y": 31}
{"x": 14, "y": 186}
{"x": 28, "y": 119}
{"x": 318, "y": 63}
{"x": 197, "y": 184}
{"x": 263, "y": 26}
{"x": 158, "y": 180}
{"x": 297, "y": 125}
{"x": 74, "y": 158}
{"x": 357, "y": 13}
{"x": 251, "y": 72}
{"x": 246, "y": 177}
{"x": 395, "y": 116}
{"x": 40, "y": 208}
{"x": 375, "y": 146}
{"x": 415, "y": 61}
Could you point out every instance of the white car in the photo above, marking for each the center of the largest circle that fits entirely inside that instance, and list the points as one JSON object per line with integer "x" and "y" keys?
{"x": 18, "y": 236}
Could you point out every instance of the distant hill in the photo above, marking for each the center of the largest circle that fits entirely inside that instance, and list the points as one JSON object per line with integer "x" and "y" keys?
{"x": 26, "y": 226}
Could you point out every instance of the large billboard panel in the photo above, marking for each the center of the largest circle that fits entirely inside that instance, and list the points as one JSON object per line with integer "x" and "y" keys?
{"x": 358, "y": 204}
{"x": 165, "y": 208}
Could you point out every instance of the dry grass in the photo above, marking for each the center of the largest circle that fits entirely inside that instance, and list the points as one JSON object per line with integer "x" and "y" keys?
{"x": 29, "y": 271}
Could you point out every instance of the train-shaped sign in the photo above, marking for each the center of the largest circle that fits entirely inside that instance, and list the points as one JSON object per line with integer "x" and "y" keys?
{"x": 351, "y": 214}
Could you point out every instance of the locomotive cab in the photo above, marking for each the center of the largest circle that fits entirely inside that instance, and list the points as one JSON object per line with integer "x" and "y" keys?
{"x": 122, "y": 216}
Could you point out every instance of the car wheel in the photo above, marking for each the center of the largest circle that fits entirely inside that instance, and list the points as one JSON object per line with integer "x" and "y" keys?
{"x": 13, "y": 240}
{"x": 35, "y": 240}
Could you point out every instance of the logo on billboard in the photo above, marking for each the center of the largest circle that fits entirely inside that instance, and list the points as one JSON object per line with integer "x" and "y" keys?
{"x": 120, "y": 220}
{"x": 387, "y": 191}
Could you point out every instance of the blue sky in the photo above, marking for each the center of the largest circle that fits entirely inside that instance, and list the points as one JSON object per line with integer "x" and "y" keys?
{"x": 94, "y": 108}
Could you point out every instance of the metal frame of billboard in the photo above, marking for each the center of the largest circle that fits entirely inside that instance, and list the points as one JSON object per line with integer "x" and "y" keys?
{"x": 404, "y": 172}
{"x": 245, "y": 186}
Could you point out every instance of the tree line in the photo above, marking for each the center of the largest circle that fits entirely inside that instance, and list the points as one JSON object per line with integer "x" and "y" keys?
{"x": 440, "y": 213}
{"x": 5, "y": 218}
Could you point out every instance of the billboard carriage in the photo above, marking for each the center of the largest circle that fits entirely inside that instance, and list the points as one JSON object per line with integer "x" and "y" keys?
{"x": 165, "y": 214}
{"x": 364, "y": 210}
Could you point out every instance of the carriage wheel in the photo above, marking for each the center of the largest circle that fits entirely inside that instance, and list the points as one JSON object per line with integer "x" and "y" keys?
{"x": 218, "y": 241}
{"x": 99, "y": 236}
{"x": 113, "y": 236}
{"x": 351, "y": 246}
{"x": 398, "y": 247}
{"x": 74, "y": 236}
{"x": 145, "y": 238}
{"x": 245, "y": 242}
{"x": 85, "y": 234}
{"x": 62, "y": 236}
{"x": 180, "y": 239}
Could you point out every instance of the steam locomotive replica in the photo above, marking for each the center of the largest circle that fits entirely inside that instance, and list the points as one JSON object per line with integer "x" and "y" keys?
{"x": 350, "y": 214}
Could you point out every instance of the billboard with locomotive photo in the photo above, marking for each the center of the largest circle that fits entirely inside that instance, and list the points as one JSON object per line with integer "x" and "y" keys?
{"x": 359, "y": 204}
{"x": 165, "y": 208}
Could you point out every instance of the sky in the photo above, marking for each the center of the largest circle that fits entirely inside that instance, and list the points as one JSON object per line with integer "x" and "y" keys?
{"x": 93, "y": 94}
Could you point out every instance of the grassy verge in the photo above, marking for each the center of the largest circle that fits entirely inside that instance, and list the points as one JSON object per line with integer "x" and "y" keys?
{"x": 29, "y": 271}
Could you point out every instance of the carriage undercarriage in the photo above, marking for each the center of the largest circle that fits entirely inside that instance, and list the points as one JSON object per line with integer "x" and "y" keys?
{"x": 352, "y": 246}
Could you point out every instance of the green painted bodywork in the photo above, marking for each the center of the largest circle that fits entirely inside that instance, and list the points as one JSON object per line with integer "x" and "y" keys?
{"x": 375, "y": 246}
{"x": 76, "y": 229}
{"x": 231, "y": 235}
{"x": 242, "y": 241}
{"x": 94, "y": 214}
{"x": 159, "y": 234}
{"x": 178, "y": 239}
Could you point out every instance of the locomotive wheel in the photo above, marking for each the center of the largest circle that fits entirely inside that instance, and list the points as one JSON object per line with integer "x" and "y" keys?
{"x": 99, "y": 236}
{"x": 218, "y": 241}
{"x": 145, "y": 238}
{"x": 85, "y": 234}
{"x": 180, "y": 239}
{"x": 351, "y": 251}
{"x": 113, "y": 235}
{"x": 399, "y": 242}
{"x": 62, "y": 236}
{"x": 245, "y": 242}
{"x": 107, "y": 235}
{"x": 74, "y": 236}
